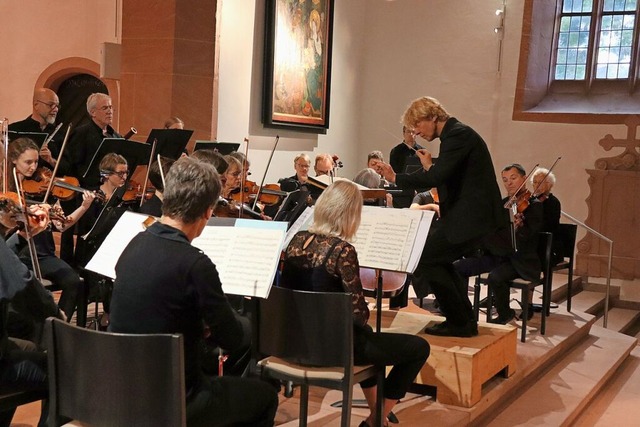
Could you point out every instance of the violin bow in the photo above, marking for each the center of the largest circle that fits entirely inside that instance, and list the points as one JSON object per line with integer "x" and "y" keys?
{"x": 242, "y": 180}
{"x": 5, "y": 160}
{"x": 275, "y": 144}
{"x": 55, "y": 168}
{"x": 514, "y": 197}
{"x": 46, "y": 142}
{"x": 535, "y": 191}
{"x": 146, "y": 178}
{"x": 33, "y": 253}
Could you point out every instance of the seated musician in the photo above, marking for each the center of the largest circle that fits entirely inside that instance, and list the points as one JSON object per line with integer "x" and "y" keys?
{"x": 498, "y": 257}
{"x": 301, "y": 164}
{"x": 23, "y": 363}
{"x": 324, "y": 164}
{"x": 46, "y": 106}
{"x": 543, "y": 181}
{"x": 373, "y": 158}
{"x": 174, "y": 123}
{"x": 23, "y": 154}
{"x": 165, "y": 285}
{"x": 153, "y": 206}
{"x": 232, "y": 176}
{"x": 371, "y": 179}
{"x": 113, "y": 174}
{"x": 323, "y": 260}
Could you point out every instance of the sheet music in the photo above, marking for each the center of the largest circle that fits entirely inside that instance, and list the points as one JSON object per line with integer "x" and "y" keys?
{"x": 246, "y": 258}
{"x": 380, "y": 242}
{"x": 105, "y": 259}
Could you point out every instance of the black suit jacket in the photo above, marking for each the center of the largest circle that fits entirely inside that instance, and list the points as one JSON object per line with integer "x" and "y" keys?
{"x": 467, "y": 187}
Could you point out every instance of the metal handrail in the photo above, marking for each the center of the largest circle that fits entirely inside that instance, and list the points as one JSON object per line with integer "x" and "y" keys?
{"x": 605, "y": 238}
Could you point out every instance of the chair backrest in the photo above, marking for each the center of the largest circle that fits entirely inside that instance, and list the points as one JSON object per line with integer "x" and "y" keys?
{"x": 309, "y": 328}
{"x": 565, "y": 239}
{"x": 545, "y": 242}
{"x": 114, "y": 379}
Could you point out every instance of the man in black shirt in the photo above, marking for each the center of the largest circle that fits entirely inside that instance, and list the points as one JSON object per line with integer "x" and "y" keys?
{"x": 42, "y": 120}
{"x": 398, "y": 161}
{"x": 165, "y": 285}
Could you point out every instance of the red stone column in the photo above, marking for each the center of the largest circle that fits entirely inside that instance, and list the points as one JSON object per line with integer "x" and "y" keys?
{"x": 169, "y": 65}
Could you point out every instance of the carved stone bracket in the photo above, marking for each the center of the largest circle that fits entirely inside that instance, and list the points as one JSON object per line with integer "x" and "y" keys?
{"x": 629, "y": 160}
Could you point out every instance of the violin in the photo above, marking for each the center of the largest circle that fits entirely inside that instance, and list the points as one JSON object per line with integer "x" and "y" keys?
{"x": 270, "y": 194}
{"x": 10, "y": 205}
{"x": 134, "y": 192}
{"x": 64, "y": 188}
{"x": 523, "y": 200}
{"x": 232, "y": 209}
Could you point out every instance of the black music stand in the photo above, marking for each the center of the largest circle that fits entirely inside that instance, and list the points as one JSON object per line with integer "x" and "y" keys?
{"x": 292, "y": 206}
{"x": 135, "y": 153}
{"x": 171, "y": 142}
{"x": 37, "y": 137}
{"x": 223, "y": 148}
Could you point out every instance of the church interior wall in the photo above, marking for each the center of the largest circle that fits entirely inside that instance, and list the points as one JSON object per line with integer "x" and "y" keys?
{"x": 385, "y": 53}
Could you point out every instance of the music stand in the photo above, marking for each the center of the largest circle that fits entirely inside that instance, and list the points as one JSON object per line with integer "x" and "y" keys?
{"x": 171, "y": 142}
{"x": 292, "y": 206}
{"x": 223, "y": 148}
{"x": 37, "y": 137}
{"x": 135, "y": 153}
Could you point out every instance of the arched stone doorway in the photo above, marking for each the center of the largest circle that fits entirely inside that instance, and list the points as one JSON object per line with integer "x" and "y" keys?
{"x": 77, "y": 78}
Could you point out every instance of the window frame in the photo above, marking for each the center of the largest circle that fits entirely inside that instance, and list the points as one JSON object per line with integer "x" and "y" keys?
{"x": 540, "y": 97}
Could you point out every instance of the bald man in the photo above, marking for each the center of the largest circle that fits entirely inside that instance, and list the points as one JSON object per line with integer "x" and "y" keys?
{"x": 43, "y": 119}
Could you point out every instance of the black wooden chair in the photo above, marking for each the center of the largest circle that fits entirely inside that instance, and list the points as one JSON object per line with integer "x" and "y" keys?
{"x": 307, "y": 338}
{"x": 565, "y": 241}
{"x": 103, "y": 378}
{"x": 526, "y": 287}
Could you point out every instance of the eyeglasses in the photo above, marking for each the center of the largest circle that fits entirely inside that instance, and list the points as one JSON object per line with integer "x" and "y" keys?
{"x": 106, "y": 108}
{"x": 120, "y": 174}
{"x": 303, "y": 165}
{"x": 51, "y": 105}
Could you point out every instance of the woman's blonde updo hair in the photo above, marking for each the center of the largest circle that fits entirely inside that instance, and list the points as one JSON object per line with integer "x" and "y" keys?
{"x": 337, "y": 211}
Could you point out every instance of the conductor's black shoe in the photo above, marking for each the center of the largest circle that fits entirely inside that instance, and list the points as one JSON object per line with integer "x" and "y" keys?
{"x": 470, "y": 329}
{"x": 504, "y": 319}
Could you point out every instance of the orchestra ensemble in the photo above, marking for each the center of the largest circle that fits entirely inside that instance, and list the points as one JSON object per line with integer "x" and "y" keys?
{"x": 164, "y": 284}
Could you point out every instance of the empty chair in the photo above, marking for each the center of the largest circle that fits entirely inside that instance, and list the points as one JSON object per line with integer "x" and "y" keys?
{"x": 111, "y": 379}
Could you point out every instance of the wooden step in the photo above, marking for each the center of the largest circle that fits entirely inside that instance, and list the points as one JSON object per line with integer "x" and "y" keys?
{"x": 558, "y": 397}
{"x": 620, "y": 319}
{"x": 590, "y": 302}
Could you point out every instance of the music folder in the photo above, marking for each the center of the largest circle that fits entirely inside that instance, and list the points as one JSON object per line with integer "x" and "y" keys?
{"x": 136, "y": 153}
{"x": 37, "y": 137}
{"x": 223, "y": 148}
{"x": 171, "y": 142}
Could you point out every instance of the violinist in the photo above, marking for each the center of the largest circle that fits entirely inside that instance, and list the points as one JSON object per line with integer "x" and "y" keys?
{"x": 542, "y": 181}
{"x": 113, "y": 174}
{"x": 23, "y": 362}
{"x": 42, "y": 119}
{"x": 503, "y": 262}
{"x": 232, "y": 176}
{"x": 85, "y": 140}
{"x": 400, "y": 155}
{"x": 244, "y": 162}
{"x": 153, "y": 206}
{"x": 83, "y": 144}
{"x": 23, "y": 154}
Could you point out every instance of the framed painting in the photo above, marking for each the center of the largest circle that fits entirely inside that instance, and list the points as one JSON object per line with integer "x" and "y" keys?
{"x": 297, "y": 73}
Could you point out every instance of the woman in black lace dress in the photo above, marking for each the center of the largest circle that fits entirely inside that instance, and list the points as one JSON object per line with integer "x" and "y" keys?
{"x": 322, "y": 260}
